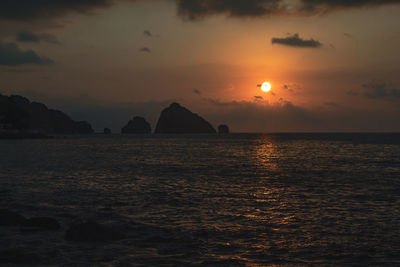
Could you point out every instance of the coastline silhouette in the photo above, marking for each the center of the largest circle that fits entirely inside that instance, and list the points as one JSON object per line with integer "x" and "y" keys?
{"x": 20, "y": 117}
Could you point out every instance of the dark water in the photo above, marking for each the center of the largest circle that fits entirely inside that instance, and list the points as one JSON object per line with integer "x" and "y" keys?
{"x": 254, "y": 200}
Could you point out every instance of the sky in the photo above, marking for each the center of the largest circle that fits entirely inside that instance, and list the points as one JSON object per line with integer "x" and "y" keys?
{"x": 334, "y": 65}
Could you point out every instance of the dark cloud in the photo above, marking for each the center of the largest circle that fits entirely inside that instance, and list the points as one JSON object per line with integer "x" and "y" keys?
{"x": 147, "y": 33}
{"x": 197, "y": 91}
{"x": 381, "y": 90}
{"x": 195, "y": 9}
{"x": 27, "y": 10}
{"x": 27, "y": 36}
{"x": 323, "y": 6}
{"x": 145, "y": 50}
{"x": 296, "y": 41}
{"x": 12, "y": 55}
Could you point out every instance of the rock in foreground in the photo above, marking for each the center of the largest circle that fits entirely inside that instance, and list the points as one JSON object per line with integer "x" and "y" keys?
{"x": 178, "y": 120}
{"x": 90, "y": 231}
{"x": 137, "y": 125}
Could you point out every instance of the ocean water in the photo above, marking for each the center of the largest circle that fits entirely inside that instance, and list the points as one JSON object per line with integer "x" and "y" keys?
{"x": 233, "y": 200}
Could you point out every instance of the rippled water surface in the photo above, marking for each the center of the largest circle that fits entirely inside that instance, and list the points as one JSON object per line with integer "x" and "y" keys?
{"x": 255, "y": 200}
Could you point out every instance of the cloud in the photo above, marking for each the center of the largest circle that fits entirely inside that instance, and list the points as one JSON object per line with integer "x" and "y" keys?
{"x": 258, "y": 98}
{"x": 27, "y": 36}
{"x": 381, "y": 90}
{"x": 324, "y": 6}
{"x": 243, "y": 116}
{"x": 145, "y": 50}
{"x": 147, "y": 33}
{"x": 196, "y": 9}
{"x": 296, "y": 41}
{"x": 197, "y": 91}
{"x": 12, "y": 55}
{"x": 27, "y": 10}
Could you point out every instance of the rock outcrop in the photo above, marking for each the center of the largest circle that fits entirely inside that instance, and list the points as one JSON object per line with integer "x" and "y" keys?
{"x": 178, "y": 120}
{"x": 137, "y": 125}
{"x": 223, "y": 129}
{"x": 18, "y": 114}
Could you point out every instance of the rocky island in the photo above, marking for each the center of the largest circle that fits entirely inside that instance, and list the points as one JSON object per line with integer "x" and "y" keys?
{"x": 178, "y": 120}
{"x": 137, "y": 125}
{"x": 223, "y": 129}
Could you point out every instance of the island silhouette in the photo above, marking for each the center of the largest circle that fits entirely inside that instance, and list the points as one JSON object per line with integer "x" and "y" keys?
{"x": 137, "y": 125}
{"x": 179, "y": 120}
{"x": 21, "y": 118}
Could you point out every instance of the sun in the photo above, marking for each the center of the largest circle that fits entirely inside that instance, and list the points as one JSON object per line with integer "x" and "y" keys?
{"x": 266, "y": 87}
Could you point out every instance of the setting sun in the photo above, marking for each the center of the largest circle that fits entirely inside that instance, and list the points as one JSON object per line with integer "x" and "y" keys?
{"x": 266, "y": 87}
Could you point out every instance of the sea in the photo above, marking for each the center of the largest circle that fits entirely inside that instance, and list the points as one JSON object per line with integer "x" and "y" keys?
{"x": 290, "y": 199}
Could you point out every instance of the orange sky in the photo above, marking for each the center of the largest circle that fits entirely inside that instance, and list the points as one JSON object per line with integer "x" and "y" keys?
{"x": 217, "y": 58}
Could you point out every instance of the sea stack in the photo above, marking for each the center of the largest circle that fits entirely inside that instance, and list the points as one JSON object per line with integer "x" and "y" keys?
{"x": 223, "y": 129}
{"x": 137, "y": 125}
{"x": 178, "y": 120}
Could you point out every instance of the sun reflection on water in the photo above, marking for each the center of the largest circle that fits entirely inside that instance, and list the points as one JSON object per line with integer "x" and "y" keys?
{"x": 266, "y": 154}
